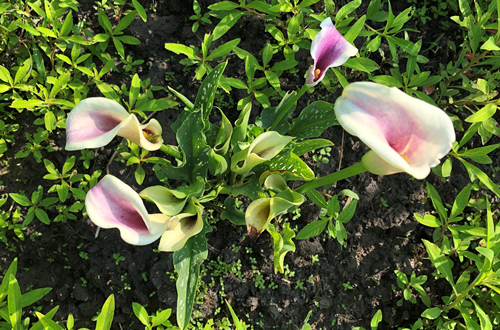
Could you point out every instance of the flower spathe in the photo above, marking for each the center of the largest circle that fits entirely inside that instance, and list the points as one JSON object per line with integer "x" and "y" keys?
{"x": 95, "y": 121}
{"x": 405, "y": 134}
{"x": 181, "y": 227}
{"x": 329, "y": 49}
{"x": 113, "y": 204}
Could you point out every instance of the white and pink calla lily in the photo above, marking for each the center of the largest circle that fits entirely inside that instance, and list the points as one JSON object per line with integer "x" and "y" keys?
{"x": 329, "y": 49}
{"x": 95, "y": 121}
{"x": 113, "y": 204}
{"x": 405, "y": 134}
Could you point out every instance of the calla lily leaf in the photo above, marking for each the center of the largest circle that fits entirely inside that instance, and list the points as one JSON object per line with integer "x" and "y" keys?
{"x": 240, "y": 128}
{"x": 404, "y": 133}
{"x": 313, "y": 120}
{"x": 181, "y": 227}
{"x": 263, "y": 148}
{"x": 291, "y": 166}
{"x": 218, "y": 164}
{"x": 95, "y": 121}
{"x": 223, "y": 139}
{"x": 113, "y": 204}
{"x": 165, "y": 199}
{"x": 195, "y": 151}
{"x": 282, "y": 245}
{"x": 329, "y": 49}
{"x": 232, "y": 213}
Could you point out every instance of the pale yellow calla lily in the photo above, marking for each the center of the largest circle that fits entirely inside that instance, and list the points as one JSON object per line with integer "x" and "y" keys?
{"x": 181, "y": 227}
{"x": 263, "y": 148}
{"x": 261, "y": 211}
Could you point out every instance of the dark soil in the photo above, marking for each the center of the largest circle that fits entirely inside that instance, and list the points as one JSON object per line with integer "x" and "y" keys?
{"x": 383, "y": 236}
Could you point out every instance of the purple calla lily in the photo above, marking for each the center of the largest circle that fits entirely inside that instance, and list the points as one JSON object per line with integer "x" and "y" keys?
{"x": 405, "y": 134}
{"x": 95, "y": 121}
{"x": 329, "y": 49}
{"x": 113, "y": 204}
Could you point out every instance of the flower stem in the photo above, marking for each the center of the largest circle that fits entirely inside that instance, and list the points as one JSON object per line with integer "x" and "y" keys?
{"x": 332, "y": 178}
{"x": 167, "y": 149}
{"x": 287, "y": 106}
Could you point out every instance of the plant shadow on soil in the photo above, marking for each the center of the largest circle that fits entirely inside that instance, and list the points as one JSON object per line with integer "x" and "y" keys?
{"x": 382, "y": 236}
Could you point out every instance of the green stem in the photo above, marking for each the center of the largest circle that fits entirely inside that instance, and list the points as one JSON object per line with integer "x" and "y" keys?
{"x": 473, "y": 62}
{"x": 287, "y": 106}
{"x": 170, "y": 151}
{"x": 332, "y": 178}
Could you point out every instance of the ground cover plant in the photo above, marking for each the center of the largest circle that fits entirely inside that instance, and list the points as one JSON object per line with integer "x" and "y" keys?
{"x": 282, "y": 148}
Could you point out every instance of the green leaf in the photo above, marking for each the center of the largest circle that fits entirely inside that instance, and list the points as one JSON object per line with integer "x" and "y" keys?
{"x": 20, "y": 199}
{"x": 5, "y": 75}
{"x": 432, "y": 313}
{"x": 135, "y": 88}
{"x": 464, "y": 7}
{"x": 290, "y": 166}
{"x": 436, "y": 201}
{"x": 42, "y": 216}
{"x": 223, "y": 49}
{"x": 119, "y": 47}
{"x": 282, "y": 245}
{"x": 187, "y": 262}
{"x": 161, "y": 318}
{"x": 29, "y": 28}
{"x": 107, "y": 91}
{"x": 346, "y": 10}
{"x": 181, "y": 49}
{"x": 33, "y": 296}
{"x": 314, "y": 228}
{"x": 105, "y": 318}
{"x": 316, "y": 198}
{"x": 428, "y": 220}
{"x": 141, "y": 313}
{"x": 232, "y": 213}
{"x": 439, "y": 260}
{"x": 303, "y": 147}
{"x": 348, "y": 212}
{"x": 129, "y": 40}
{"x": 139, "y": 174}
{"x": 140, "y": 10}
{"x": 475, "y": 172}
{"x": 354, "y": 31}
{"x": 313, "y": 120}
{"x": 461, "y": 201}
{"x": 484, "y": 319}
{"x": 401, "y": 276}
{"x": 361, "y": 64}
{"x": 270, "y": 115}
{"x": 376, "y": 319}
{"x": 14, "y": 303}
{"x": 223, "y": 5}
{"x": 124, "y": 22}
{"x": 389, "y": 81}
{"x": 484, "y": 113}
{"x": 226, "y": 23}
{"x": 24, "y": 69}
{"x": 206, "y": 93}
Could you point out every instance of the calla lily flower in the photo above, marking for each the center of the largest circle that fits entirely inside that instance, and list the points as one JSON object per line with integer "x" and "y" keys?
{"x": 263, "y": 148}
{"x": 181, "y": 227}
{"x": 113, "y": 204}
{"x": 261, "y": 211}
{"x": 329, "y": 49}
{"x": 95, "y": 121}
{"x": 405, "y": 134}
